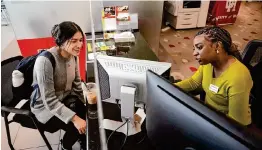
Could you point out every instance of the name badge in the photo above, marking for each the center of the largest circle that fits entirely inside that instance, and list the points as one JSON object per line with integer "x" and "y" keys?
{"x": 213, "y": 88}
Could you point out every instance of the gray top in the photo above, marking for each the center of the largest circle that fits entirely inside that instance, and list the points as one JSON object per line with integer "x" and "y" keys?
{"x": 54, "y": 87}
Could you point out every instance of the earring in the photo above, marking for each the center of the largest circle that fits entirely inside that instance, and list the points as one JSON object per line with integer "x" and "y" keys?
{"x": 217, "y": 52}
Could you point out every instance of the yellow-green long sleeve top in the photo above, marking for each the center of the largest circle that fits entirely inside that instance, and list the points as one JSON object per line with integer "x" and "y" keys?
{"x": 232, "y": 96}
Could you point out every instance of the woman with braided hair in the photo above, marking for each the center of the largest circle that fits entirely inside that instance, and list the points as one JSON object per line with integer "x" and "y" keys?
{"x": 225, "y": 80}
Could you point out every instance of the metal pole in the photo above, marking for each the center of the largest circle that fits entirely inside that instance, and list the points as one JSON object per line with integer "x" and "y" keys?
{"x": 99, "y": 101}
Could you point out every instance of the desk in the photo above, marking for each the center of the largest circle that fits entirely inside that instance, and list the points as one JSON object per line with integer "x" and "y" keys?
{"x": 111, "y": 111}
{"x": 140, "y": 50}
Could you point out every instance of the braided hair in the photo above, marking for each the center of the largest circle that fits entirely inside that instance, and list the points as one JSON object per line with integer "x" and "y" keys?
{"x": 218, "y": 34}
{"x": 65, "y": 31}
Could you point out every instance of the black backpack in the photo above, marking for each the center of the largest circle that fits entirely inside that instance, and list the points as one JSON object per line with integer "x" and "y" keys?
{"x": 25, "y": 68}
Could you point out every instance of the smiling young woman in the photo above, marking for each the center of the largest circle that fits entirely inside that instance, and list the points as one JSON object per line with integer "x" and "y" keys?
{"x": 58, "y": 101}
{"x": 225, "y": 80}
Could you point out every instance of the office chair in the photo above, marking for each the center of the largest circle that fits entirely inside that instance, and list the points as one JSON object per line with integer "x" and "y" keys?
{"x": 22, "y": 115}
{"x": 252, "y": 58}
{"x": 252, "y": 53}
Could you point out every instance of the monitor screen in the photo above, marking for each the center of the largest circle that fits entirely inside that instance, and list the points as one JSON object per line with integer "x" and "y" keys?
{"x": 176, "y": 120}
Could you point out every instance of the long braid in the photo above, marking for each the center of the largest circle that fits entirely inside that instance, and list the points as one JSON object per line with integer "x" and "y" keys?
{"x": 216, "y": 34}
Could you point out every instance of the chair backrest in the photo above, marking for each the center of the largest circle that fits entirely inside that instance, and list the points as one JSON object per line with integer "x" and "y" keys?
{"x": 252, "y": 53}
{"x": 7, "y": 67}
{"x": 252, "y": 58}
{"x": 256, "y": 105}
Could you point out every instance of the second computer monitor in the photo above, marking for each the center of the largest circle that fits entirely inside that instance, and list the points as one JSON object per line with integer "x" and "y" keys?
{"x": 176, "y": 120}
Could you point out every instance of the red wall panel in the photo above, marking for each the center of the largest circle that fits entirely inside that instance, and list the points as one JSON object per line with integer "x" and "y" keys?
{"x": 29, "y": 47}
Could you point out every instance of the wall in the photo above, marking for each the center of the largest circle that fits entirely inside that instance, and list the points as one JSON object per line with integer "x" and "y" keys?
{"x": 32, "y": 22}
{"x": 150, "y": 23}
{"x": 35, "y": 19}
{"x": 42, "y": 15}
{"x": 9, "y": 46}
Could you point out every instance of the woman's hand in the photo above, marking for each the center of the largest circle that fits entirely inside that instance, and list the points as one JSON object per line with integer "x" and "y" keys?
{"x": 80, "y": 124}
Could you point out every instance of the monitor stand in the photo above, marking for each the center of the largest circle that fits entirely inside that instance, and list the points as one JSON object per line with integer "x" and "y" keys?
{"x": 135, "y": 120}
{"x": 132, "y": 128}
{"x": 127, "y": 96}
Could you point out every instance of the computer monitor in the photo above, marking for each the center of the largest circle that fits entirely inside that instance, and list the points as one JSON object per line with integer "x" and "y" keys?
{"x": 114, "y": 72}
{"x": 176, "y": 120}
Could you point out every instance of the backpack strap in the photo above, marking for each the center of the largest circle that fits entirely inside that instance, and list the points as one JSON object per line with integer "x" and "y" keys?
{"x": 75, "y": 59}
{"x": 48, "y": 55}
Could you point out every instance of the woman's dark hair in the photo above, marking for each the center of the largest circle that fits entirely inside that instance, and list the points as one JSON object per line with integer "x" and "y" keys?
{"x": 65, "y": 31}
{"x": 218, "y": 34}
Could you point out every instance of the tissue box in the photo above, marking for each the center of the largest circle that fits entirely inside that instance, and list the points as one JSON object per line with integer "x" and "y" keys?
{"x": 124, "y": 37}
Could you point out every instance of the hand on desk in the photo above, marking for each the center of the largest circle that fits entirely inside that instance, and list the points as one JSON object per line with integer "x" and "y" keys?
{"x": 80, "y": 124}
{"x": 137, "y": 118}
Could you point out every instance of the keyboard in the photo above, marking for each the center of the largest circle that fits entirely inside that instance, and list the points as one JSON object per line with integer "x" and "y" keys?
{"x": 128, "y": 67}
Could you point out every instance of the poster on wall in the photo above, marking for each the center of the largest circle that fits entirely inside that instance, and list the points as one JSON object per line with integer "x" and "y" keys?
{"x": 109, "y": 21}
{"x": 109, "y": 18}
{"x": 223, "y": 12}
{"x": 122, "y": 15}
